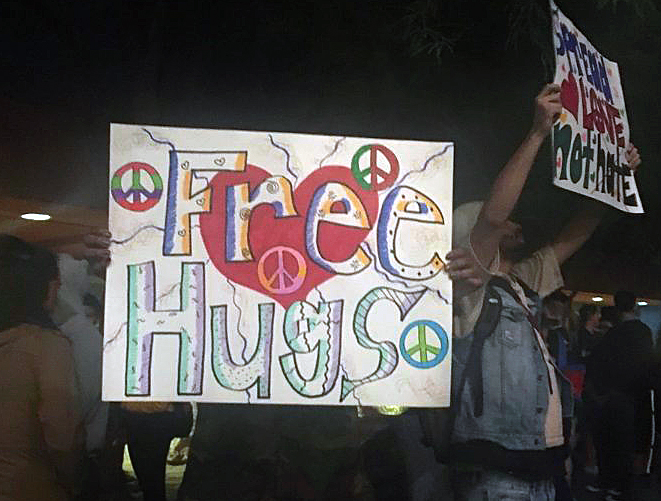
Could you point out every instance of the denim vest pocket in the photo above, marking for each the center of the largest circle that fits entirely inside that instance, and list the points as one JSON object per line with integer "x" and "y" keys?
{"x": 511, "y": 326}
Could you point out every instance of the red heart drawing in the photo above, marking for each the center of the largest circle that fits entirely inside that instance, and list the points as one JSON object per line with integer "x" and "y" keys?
{"x": 569, "y": 95}
{"x": 267, "y": 233}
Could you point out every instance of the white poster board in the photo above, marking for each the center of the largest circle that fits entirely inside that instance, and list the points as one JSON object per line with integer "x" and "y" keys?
{"x": 256, "y": 267}
{"x": 590, "y": 139}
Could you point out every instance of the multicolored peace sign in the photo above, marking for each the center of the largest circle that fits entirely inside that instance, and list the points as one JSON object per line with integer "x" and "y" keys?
{"x": 418, "y": 354}
{"x": 379, "y": 179}
{"x": 280, "y": 280}
{"x": 137, "y": 198}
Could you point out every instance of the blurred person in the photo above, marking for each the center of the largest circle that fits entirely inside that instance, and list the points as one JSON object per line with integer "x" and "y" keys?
{"x": 655, "y": 382}
{"x": 507, "y": 432}
{"x": 586, "y": 338}
{"x": 555, "y": 319}
{"x": 618, "y": 380}
{"x": 150, "y": 428}
{"x": 587, "y": 335}
{"x": 233, "y": 449}
{"x": 608, "y": 318}
{"x": 292, "y": 452}
{"x": 554, "y": 327}
{"x": 40, "y": 443}
{"x": 77, "y": 314}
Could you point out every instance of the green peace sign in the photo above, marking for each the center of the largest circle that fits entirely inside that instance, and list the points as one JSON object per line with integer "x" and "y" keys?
{"x": 418, "y": 355}
{"x": 379, "y": 178}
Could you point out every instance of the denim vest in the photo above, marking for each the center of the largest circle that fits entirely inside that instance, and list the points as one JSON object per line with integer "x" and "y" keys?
{"x": 511, "y": 410}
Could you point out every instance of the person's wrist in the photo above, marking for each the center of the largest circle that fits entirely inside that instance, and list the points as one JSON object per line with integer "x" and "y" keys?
{"x": 537, "y": 134}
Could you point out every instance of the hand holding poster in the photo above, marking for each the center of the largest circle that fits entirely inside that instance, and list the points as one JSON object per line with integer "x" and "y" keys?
{"x": 252, "y": 267}
{"x": 590, "y": 139}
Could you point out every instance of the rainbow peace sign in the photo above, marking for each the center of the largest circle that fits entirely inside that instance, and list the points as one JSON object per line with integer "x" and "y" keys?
{"x": 379, "y": 178}
{"x": 137, "y": 198}
{"x": 418, "y": 354}
{"x": 281, "y": 280}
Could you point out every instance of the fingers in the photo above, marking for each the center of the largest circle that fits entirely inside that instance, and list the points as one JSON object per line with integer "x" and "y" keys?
{"x": 632, "y": 157}
{"x": 461, "y": 266}
{"x": 465, "y": 274}
{"x": 458, "y": 259}
{"x": 549, "y": 89}
{"x": 548, "y": 107}
{"x": 457, "y": 254}
{"x": 550, "y": 97}
{"x": 99, "y": 239}
{"x": 475, "y": 282}
{"x": 100, "y": 254}
{"x": 94, "y": 247}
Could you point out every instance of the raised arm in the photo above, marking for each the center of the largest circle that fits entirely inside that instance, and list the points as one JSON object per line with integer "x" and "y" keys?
{"x": 580, "y": 227}
{"x": 508, "y": 185}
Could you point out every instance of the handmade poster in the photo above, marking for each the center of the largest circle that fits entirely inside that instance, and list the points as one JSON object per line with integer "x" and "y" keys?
{"x": 257, "y": 267}
{"x": 590, "y": 138}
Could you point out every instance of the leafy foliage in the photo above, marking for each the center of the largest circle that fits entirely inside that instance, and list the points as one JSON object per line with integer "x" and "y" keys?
{"x": 434, "y": 27}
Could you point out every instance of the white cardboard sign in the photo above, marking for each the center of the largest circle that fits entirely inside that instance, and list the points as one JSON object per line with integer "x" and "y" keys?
{"x": 256, "y": 267}
{"x": 590, "y": 139}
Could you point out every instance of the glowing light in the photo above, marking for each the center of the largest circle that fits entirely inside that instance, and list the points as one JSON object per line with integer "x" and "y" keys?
{"x": 642, "y": 303}
{"x": 597, "y": 299}
{"x": 391, "y": 410}
{"x": 33, "y": 216}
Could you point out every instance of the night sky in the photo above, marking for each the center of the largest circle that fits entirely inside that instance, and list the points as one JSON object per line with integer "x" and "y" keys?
{"x": 340, "y": 68}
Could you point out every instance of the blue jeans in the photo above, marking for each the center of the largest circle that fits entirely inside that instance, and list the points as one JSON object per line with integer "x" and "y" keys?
{"x": 489, "y": 485}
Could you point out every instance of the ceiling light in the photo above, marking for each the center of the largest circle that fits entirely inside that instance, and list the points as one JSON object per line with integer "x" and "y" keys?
{"x": 597, "y": 299}
{"x": 33, "y": 216}
{"x": 642, "y": 303}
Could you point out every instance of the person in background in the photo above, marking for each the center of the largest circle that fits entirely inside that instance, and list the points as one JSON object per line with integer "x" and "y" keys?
{"x": 40, "y": 439}
{"x": 587, "y": 335}
{"x": 608, "y": 320}
{"x": 618, "y": 378}
{"x": 150, "y": 428}
{"x": 81, "y": 262}
{"x": 555, "y": 319}
{"x": 554, "y": 327}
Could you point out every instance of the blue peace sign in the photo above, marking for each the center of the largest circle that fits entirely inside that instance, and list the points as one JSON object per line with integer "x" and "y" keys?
{"x": 422, "y": 349}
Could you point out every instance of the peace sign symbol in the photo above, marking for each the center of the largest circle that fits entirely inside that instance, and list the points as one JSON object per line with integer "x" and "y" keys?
{"x": 422, "y": 349}
{"x": 379, "y": 179}
{"x": 137, "y": 198}
{"x": 281, "y": 281}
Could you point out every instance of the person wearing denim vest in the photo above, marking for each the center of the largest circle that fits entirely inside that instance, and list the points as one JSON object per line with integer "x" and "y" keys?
{"x": 513, "y": 408}
{"x": 507, "y": 435}
{"x": 501, "y": 434}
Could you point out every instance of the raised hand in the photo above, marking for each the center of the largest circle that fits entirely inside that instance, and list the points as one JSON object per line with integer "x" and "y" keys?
{"x": 93, "y": 246}
{"x": 464, "y": 271}
{"x": 547, "y": 109}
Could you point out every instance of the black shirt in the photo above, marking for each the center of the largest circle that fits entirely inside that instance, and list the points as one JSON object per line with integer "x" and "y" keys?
{"x": 621, "y": 362}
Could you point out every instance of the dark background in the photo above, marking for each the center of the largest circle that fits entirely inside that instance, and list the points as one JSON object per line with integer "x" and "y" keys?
{"x": 342, "y": 68}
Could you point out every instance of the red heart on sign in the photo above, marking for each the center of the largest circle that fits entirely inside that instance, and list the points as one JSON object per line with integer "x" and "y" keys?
{"x": 569, "y": 95}
{"x": 281, "y": 241}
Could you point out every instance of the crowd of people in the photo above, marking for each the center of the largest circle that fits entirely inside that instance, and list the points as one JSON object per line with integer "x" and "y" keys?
{"x": 538, "y": 399}
{"x": 609, "y": 358}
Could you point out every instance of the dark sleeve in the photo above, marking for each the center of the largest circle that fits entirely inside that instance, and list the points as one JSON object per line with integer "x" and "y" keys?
{"x": 57, "y": 405}
{"x": 553, "y": 343}
{"x": 58, "y": 409}
{"x": 646, "y": 356}
{"x": 655, "y": 370}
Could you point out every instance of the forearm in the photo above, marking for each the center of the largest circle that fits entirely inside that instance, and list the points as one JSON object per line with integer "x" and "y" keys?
{"x": 504, "y": 194}
{"x": 578, "y": 230}
{"x": 508, "y": 185}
